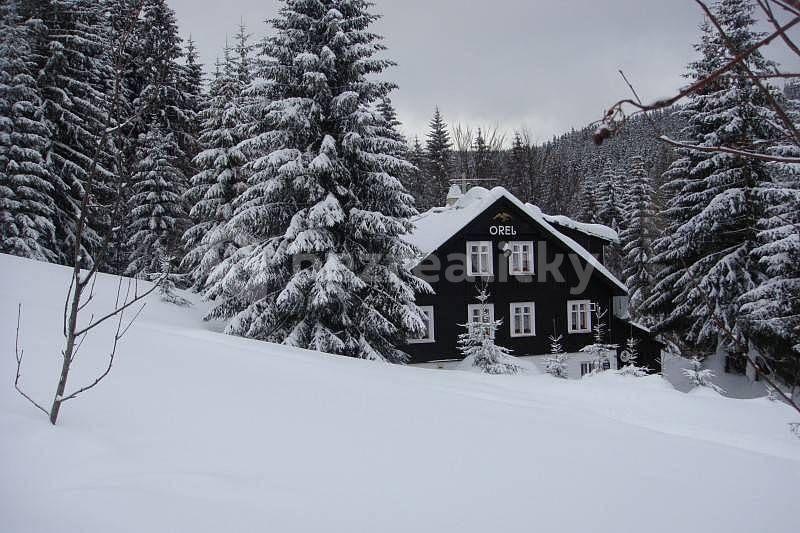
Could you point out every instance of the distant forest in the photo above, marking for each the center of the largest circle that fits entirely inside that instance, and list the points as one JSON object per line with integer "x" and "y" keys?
{"x": 556, "y": 175}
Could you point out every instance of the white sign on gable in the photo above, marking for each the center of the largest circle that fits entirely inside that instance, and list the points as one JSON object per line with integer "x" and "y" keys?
{"x": 505, "y": 231}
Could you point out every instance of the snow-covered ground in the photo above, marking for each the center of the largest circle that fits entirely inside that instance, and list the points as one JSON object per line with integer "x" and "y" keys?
{"x": 199, "y": 432}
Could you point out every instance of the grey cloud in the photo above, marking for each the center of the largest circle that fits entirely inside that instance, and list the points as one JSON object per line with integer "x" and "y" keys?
{"x": 547, "y": 65}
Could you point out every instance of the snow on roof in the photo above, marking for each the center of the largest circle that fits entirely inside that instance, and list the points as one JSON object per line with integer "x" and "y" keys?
{"x": 438, "y": 225}
{"x": 595, "y": 230}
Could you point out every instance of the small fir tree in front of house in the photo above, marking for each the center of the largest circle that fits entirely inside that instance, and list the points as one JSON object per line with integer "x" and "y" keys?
{"x": 478, "y": 346}
{"x": 701, "y": 377}
{"x": 600, "y": 349}
{"x": 556, "y": 362}
{"x": 629, "y": 356}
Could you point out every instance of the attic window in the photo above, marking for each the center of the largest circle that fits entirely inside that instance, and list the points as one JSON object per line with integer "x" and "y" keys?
{"x": 479, "y": 258}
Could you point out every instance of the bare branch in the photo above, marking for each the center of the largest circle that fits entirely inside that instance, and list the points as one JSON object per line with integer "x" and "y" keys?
{"x": 767, "y": 9}
{"x": 121, "y": 309}
{"x": 734, "y": 151}
{"x": 19, "y": 352}
{"x": 616, "y": 112}
{"x": 105, "y": 373}
{"x": 787, "y": 122}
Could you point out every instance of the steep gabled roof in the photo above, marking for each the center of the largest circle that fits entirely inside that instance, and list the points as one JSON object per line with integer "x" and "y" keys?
{"x": 437, "y": 226}
{"x": 593, "y": 230}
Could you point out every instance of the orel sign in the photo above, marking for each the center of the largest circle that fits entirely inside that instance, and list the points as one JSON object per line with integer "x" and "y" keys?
{"x": 502, "y": 230}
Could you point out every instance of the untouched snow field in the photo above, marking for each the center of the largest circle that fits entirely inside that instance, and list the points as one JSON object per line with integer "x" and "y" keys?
{"x": 199, "y": 432}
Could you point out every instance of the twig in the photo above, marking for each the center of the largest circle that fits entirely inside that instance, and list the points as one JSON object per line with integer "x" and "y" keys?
{"x": 734, "y": 151}
{"x": 767, "y": 9}
{"x": 636, "y": 95}
{"x": 19, "y": 352}
{"x": 119, "y": 310}
{"x": 617, "y": 108}
{"x": 787, "y": 122}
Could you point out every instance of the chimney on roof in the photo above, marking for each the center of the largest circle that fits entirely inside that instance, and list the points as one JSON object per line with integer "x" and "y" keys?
{"x": 453, "y": 195}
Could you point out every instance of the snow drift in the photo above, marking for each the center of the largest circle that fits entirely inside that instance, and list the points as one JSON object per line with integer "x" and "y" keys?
{"x": 197, "y": 431}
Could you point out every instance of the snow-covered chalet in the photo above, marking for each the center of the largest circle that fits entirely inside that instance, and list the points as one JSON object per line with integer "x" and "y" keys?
{"x": 544, "y": 274}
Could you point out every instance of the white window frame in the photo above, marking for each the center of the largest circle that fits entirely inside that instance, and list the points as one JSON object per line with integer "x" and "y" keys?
{"x": 431, "y": 335}
{"x": 482, "y": 308}
{"x": 471, "y": 271}
{"x": 517, "y": 248}
{"x": 513, "y": 316}
{"x": 575, "y": 328}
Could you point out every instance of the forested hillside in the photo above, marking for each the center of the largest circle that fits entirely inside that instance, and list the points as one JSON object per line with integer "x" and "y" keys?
{"x": 560, "y": 175}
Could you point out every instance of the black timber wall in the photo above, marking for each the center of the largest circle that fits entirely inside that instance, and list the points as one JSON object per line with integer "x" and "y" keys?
{"x": 451, "y": 298}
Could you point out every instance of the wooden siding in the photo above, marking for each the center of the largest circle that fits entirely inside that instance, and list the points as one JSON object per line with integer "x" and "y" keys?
{"x": 451, "y": 299}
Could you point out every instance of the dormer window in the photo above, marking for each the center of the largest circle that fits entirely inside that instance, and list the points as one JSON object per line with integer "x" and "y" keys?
{"x": 520, "y": 262}
{"x": 479, "y": 258}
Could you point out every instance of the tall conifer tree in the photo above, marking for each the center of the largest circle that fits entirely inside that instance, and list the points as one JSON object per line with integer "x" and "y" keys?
{"x": 705, "y": 256}
{"x": 222, "y": 177}
{"x": 328, "y": 269}
{"x": 637, "y": 237}
{"x": 27, "y": 208}
{"x": 440, "y": 152}
{"x": 74, "y": 76}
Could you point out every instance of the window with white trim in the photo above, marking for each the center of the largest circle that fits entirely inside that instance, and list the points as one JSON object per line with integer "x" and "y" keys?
{"x": 523, "y": 319}
{"x": 520, "y": 262}
{"x": 579, "y": 316}
{"x": 427, "y": 319}
{"x": 480, "y": 313}
{"x": 479, "y": 258}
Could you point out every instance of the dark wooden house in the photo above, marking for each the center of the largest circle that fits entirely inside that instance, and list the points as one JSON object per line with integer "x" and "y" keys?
{"x": 544, "y": 274}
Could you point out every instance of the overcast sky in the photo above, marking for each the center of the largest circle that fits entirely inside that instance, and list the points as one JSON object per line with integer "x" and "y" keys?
{"x": 545, "y": 65}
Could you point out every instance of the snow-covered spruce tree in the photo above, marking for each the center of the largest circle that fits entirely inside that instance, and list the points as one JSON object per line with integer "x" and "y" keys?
{"x": 588, "y": 200}
{"x": 439, "y": 149}
{"x": 328, "y": 269}
{"x": 420, "y": 184}
{"x": 71, "y": 49}
{"x": 519, "y": 167}
{"x": 701, "y": 377}
{"x": 222, "y": 177}
{"x": 610, "y": 211}
{"x": 156, "y": 209}
{"x": 393, "y": 124}
{"x": 770, "y": 312}
{"x": 164, "y": 99}
{"x": 479, "y": 349}
{"x": 190, "y": 85}
{"x": 705, "y": 256}
{"x": 637, "y": 236}
{"x": 27, "y": 208}
{"x": 610, "y": 197}
{"x": 556, "y": 362}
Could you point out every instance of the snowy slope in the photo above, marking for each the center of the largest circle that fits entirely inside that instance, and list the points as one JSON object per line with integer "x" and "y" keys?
{"x": 199, "y": 432}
